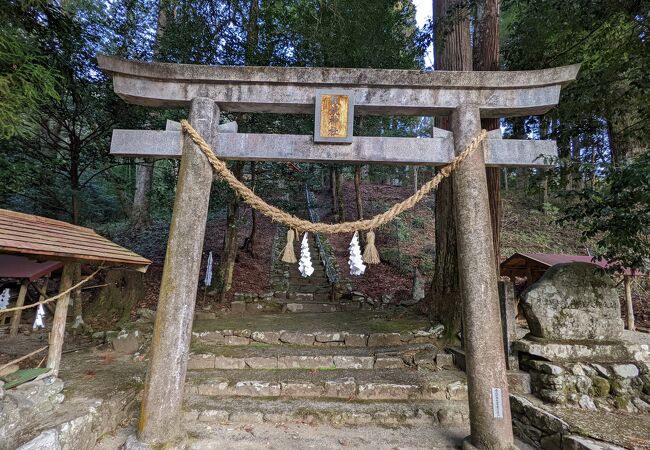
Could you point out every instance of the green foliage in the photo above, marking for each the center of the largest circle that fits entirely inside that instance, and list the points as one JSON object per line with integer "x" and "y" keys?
{"x": 617, "y": 214}
{"x": 427, "y": 265}
{"x": 605, "y": 114}
{"x": 26, "y": 81}
{"x": 418, "y": 222}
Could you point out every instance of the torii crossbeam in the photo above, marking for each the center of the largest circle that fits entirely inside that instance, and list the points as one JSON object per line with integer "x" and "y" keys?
{"x": 339, "y": 94}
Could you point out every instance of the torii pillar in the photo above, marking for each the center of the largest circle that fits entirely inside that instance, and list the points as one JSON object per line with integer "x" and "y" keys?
{"x": 489, "y": 402}
{"x": 163, "y": 390}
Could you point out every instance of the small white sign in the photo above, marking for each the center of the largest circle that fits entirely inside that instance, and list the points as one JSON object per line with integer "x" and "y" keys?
{"x": 497, "y": 403}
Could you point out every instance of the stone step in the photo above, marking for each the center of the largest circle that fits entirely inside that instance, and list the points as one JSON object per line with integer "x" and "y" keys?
{"x": 328, "y": 355}
{"x": 280, "y": 297}
{"x": 237, "y": 307}
{"x": 210, "y": 411}
{"x": 360, "y": 384}
{"x": 353, "y": 329}
{"x": 308, "y": 287}
{"x": 308, "y": 435}
{"x": 281, "y": 337}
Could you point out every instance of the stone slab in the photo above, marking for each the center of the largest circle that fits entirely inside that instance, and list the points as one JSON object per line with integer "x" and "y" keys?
{"x": 224, "y": 362}
{"x": 374, "y": 384}
{"x": 236, "y": 340}
{"x": 356, "y": 340}
{"x": 584, "y": 351}
{"x": 298, "y": 338}
{"x": 389, "y": 362}
{"x": 377, "y": 391}
{"x": 305, "y": 362}
{"x": 384, "y": 339}
{"x": 353, "y": 362}
{"x": 269, "y": 147}
{"x": 200, "y": 361}
{"x": 343, "y": 414}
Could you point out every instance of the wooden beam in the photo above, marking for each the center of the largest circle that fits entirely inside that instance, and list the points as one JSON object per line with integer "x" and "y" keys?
{"x": 58, "y": 324}
{"x": 434, "y": 151}
{"x": 15, "y": 320}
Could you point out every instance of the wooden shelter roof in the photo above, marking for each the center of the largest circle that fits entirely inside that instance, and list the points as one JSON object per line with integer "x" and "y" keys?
{"x": 542, "y": 261}
{"x": 14, "y": 266}
{"x": 43, "y": 238}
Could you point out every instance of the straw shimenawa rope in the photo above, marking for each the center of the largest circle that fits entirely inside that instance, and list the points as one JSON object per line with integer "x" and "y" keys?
{"x": 301, "y": 225}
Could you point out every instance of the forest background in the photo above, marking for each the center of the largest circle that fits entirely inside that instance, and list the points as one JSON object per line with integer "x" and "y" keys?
{"x": 57, "y": 111}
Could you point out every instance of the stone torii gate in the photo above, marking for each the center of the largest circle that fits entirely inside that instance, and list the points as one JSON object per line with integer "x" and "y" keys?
{"x": 334, "y": 96}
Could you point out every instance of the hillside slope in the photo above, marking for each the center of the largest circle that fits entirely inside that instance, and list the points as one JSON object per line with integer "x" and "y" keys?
{"x": 406, "y": 243}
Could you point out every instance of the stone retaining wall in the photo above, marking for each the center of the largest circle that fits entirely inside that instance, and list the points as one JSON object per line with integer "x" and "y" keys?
{"x": 35, "y": 416}
{"x": 608, "y": 386}
{"x": 540, "y": 428}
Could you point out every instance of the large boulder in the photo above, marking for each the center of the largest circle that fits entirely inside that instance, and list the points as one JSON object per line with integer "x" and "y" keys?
{"x": 574, "y": 301}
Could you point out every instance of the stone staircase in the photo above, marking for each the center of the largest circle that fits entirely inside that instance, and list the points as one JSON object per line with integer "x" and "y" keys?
{"x": 291, "y": 292}
{"x": 336, "y": 368}
{"x": 317, "y": 284}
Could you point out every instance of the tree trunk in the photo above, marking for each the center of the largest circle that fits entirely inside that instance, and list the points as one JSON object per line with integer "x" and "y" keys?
{"x": 77, "y": 304}
{"x": 252, "y": 33}
{"x": 453, "y": 52}
{"x": 124, "y": 289}
{"x": 229, "y": 253}
{"x": 144, "y": 169}
{"x": 339, "y": 195}
{"x": 333, "y": 190}
{"x": 415, "y": 179}
{"x": 75, "y": 152}
{"x": 140, "y": 211}
{"x": 357, "y": 190}
{"x": 486, "y": 57}
{"x": 249, "y": 242}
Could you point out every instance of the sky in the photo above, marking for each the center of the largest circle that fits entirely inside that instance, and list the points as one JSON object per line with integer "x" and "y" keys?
{"x": 423, "y": 12}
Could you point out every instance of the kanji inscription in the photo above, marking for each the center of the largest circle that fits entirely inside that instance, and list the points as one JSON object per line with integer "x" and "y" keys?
{"x": 334, "y": 113}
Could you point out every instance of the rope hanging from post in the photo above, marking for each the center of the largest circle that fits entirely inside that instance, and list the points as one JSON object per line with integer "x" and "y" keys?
{"x": 56, "y": 297}
{"x": 300, "y": 225}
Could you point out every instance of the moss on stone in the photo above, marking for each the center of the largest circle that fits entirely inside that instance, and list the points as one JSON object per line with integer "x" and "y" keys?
{"x": 600, "y": 387}
{"x": 621, "y": 402}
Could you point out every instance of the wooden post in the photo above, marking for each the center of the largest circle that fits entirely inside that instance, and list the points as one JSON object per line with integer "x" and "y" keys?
{"x": 163, "y": 390}
{"x": 489, "y": 402}
{"x": 627, "y": 280}
{"x": 60, "y": 315}
{"x": 15, "y": 320}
